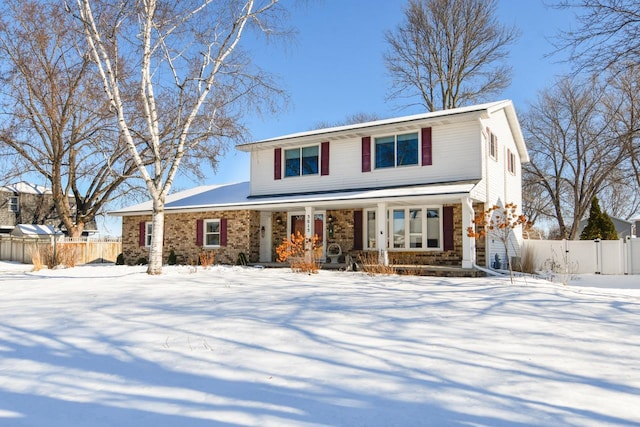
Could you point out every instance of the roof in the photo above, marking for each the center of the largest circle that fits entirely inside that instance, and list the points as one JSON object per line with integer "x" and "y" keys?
{"x": 236, "y": 196}
{"x": 362, "y": 128}
{"x": 35, "y": 230}
{"x": 25, "y": 187}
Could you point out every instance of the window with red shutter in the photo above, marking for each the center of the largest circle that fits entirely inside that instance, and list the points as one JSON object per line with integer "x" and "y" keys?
{"x": 277, "y": 163}
{"x": 357, "y": 230}
{"x": 427, "y": 156}
{"x": 199, "y": 231}
{"x": 324, "y": 158}
{"x": 223, "y": 231}
{"x": 366, "y": 154}
{"x": 142, "y": 238}
{"x": 447, "y": 228}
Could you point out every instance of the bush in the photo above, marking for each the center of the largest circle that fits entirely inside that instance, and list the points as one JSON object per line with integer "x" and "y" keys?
{"x": 66, "y": 255}
{"x": 599, "y": 224}
{"x": 206, "y": 258}
{"x": 172, "y": 259}
{"x": 42, "y": 255}
{"x": 294, "y": 251}
{"x": 371, "y": 265}
{"x": 36, "y": 259}
{"x": 142, "y": 261}
{"x": 120, "y": 259}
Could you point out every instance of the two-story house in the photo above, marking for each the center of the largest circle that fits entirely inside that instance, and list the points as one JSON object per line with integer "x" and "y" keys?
{"x": 406, "y": 188}
{"x": 27, "y": 203}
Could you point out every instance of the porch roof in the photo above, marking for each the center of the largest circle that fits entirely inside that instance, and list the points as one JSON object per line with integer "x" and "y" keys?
{"x": 236, "y": 197}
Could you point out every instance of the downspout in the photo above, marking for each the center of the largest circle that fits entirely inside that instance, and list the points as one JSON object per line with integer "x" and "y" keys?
{"x": 488, "y": 271}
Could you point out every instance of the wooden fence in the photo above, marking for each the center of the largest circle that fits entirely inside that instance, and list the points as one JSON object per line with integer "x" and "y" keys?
{"x": 86, "y": 250}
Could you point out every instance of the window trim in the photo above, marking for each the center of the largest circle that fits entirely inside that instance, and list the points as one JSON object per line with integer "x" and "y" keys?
{"x": 493, "y": 146}
{"x": 511, "y": 162}
{"x": 395, "y": 150}
{"x": 148, "y": 233}
{"x": 300, "y": 161}
{"x": 407, "y": 242}
{"x": 365, "y": 231}
{"x": 14, "y": 204}
{"x": 205, "y": 234}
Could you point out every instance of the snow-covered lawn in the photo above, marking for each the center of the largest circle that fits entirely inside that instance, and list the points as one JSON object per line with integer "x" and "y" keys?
{"x": 230, "y": 346}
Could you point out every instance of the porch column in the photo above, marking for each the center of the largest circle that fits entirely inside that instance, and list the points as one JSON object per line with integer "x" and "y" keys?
{"x": 468, "y": 243}
{"x": 383, "y": 253}
{"x": 308, "y": 233}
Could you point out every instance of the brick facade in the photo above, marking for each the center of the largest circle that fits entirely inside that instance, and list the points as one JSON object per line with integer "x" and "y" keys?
{"x": 243, "y": 235}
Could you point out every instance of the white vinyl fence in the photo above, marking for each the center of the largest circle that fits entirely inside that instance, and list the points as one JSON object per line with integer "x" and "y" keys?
{"x": 584, "y": 256}
{"x": 86, "y": 250}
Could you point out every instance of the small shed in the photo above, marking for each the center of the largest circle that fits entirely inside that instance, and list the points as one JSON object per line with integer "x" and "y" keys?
{"x": 36, "y": 231}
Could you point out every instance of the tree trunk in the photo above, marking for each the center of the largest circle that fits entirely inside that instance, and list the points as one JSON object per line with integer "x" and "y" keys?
{"x": 157, "y": 237}
{"x": 77, "y": 230}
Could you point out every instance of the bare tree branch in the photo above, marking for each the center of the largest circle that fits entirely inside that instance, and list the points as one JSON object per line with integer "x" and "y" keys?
{"x": 449, "y": 53}
{"x": 607, "y": 37}
{"x": 56, "y": 124}
{"x": 187, "y": 76}
{"x": 575, "y": 148}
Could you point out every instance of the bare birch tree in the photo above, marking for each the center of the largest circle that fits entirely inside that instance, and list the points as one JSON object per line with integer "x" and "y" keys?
{"x": 449, "y": 53}
{"x": 574, "y": 147}
{"x": 190, "y": 80}
{"x": 55, "y": 122}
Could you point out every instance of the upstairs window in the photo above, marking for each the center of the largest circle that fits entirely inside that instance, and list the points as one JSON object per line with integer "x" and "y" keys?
{"x": 397, "y": 150}
{"x": 301, "y": 161}
{"x": 493, "y": 146}
{"x": 13, "y": 204}
{"x": 511, "y": 162}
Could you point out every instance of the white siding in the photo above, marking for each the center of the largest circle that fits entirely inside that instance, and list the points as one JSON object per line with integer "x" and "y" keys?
{"x": 456, "y": 156}
{"x": 500, "y": 186}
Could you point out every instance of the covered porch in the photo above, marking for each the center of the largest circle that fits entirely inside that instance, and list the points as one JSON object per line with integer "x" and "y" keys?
{"x": 417, "y": 229}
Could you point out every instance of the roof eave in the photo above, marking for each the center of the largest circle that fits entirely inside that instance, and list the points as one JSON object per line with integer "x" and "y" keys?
{"x": 364, "y": 129}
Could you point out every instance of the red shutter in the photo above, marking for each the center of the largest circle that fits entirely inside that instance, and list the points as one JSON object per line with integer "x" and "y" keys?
{"x": 277, "y": 163}
{"x": 223, "y": 231}
{"x": 366, "y": 154}
{"x": 357, "y": 230}
{"x": 199, "y": 231}
{"x": 143, "y": 231}
{"x": 324, "y": 159}
{"x": 447, "y": 228}
{"x": 427, "y": 158}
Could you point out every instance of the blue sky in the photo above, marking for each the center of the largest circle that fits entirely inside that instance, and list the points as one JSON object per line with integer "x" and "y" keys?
{"x": 334, "y": 66}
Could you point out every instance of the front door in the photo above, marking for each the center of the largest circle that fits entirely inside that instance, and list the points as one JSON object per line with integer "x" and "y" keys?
{"x": 265, "y": 237}
{"x": 296, "y": 224}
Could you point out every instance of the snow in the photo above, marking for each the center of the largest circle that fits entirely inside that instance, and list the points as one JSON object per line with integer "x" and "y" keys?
{"x": 231, "y": 346}
{"x": 238, "y": 196}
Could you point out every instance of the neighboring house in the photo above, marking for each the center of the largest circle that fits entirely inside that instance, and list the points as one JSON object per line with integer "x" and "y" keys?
{"x": 623, "y": 227}
{"x": 25, "y": 203}
{"x": 404, "y": 188}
